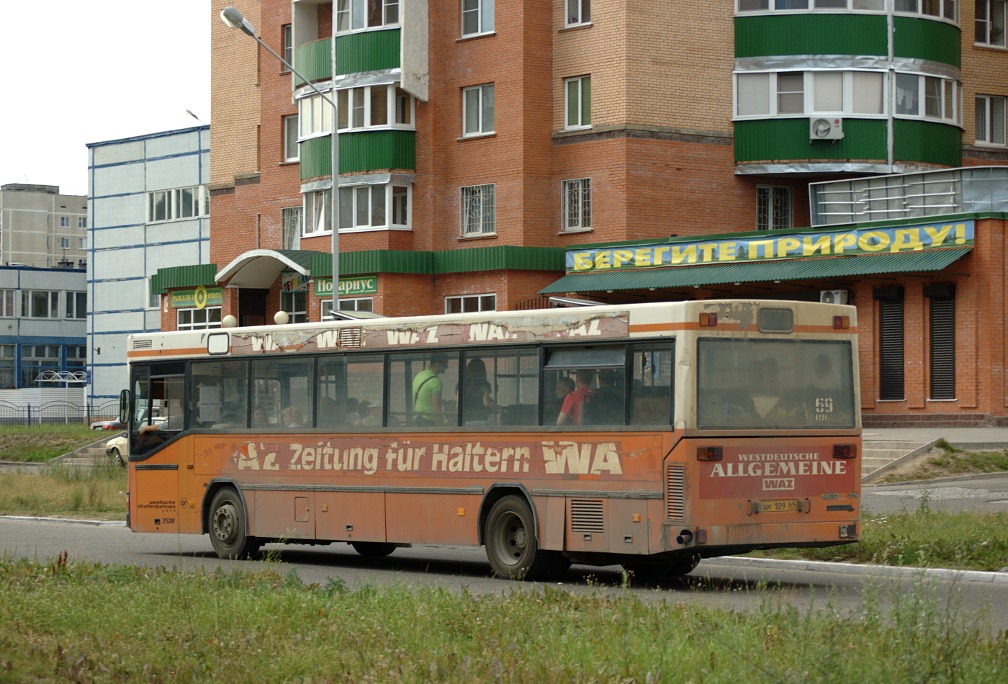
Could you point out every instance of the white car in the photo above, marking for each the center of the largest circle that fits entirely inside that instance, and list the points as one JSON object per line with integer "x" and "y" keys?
{"x": 116, "y": 449}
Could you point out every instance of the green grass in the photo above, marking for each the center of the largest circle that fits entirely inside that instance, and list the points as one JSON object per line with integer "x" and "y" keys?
{"x": 81, "y": 622}
{"x": 42, "y": 443}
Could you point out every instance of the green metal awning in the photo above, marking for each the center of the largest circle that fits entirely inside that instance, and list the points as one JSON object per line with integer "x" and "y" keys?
{"x": 756, "y": 271}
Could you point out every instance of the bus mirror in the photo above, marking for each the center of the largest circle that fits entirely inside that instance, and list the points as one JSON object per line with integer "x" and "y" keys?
{"x": 125, "y": 410}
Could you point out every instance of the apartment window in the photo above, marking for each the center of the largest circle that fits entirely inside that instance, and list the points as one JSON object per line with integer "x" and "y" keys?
{"x": 7, "y": 304}
{"x": 478, "y": 110}
{"x": 178, "y": 203}
{"x": 370, "y": 206}
{"x": 291, "y": 219}
{"x": 812, "y": 92}
{"x": 577, "y": 204}
{"x": 36, "y": 358}
{"x": 296, "y": 305}
{"x": 353, "y": 304}
{"x": 314, "y": 117}
{"x": 989, "y": 22}
{"x": 478, "y": 210}
{"x": 82, "y": 221}
{"x": 357, "y": 15}
{"x": 577, "y": 102}
{"x": 76, "y": 305}
{"x": 287, "y": 43}
{"x": 39, "y": 304}
{"x": 940, "y": 97}
{"x": 773, "y": 207}
{"x": 791, "y": 5}
{"x": 578, "y": 12}
{"x": 198, "y": 319}
{"x": 291, "y": 149}
{"x": 990, "y": 119}
{"x": 317, "y": 212}
{"x": 64, "y": 221}
{"x": 470, "y": 303}
{"x": 64, "y": 243}
{"x": 377, "y": 106}
{"x": 790, "y": 92}
{"x": 82, "y": 243}
{"x": 7, "y": 353}
{"x": 477, "y": 17}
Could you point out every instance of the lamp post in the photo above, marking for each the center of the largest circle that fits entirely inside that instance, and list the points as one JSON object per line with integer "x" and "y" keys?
{"x": 234, "y": 19}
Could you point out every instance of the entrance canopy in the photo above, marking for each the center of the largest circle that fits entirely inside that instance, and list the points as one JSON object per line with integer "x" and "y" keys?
{"x": 259, "y": 268}
{"x": 753, "y": 272}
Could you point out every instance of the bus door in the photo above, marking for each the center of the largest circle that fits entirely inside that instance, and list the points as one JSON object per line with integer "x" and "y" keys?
{"x": 158, "y": 418}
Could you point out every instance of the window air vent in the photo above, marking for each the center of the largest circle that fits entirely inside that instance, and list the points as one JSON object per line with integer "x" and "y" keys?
{"x": 142, "y": 344}
{"x": 350, "y": 338}
{"x": 587, "y": 516}
{"x": 675, "y": 490}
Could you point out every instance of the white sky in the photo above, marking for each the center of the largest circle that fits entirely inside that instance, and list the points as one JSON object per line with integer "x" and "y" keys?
{"x": 77, "y": 72}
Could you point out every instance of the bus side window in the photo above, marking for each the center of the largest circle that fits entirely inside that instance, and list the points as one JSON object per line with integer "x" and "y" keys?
{"x": 651, "y": 385}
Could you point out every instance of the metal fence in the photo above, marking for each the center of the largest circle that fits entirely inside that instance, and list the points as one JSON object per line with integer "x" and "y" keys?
{"x": 57, "y": 413}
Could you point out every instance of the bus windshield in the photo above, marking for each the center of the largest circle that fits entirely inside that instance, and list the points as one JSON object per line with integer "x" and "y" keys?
{"x": 774, "y": 384}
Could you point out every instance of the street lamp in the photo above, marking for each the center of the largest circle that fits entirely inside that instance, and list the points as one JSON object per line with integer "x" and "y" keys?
{"x": 234, "y": 19}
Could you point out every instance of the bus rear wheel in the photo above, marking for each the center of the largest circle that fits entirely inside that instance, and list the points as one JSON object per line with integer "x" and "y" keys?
{"x": 228, "y": 526}
{"x": 512, "y": 546}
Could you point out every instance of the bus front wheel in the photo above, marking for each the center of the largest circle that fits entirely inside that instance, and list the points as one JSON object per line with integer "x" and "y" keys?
{"x": 228, "y": 526}
{"x": 511, "y": 543}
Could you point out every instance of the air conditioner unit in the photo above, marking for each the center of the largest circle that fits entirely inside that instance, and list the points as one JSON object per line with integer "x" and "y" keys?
{"x": 833, "y": 296}
{"x": 825, "y": 128}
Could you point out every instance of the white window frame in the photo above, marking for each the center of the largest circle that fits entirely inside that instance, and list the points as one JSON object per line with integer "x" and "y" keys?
{"x": 581, "y": 119}
{"x": 40, "y": 303}
{"x": 946, "y": 11}
{"x": 178, "y": 204}
{"x": 314, "y": 117}
{"x": 291, "y": 131}
{"x": 471, "y": 303}
{"x": 357, "y": 15}
{"x": 988, "y": 130}
{"x": 292, "y": 220}
{"x": 949, "y": 97}
{"x": 82, "y": 221}
{"x": 317, "y": 215}
{"x": 356, "y": 108}
{"x": 199, "y": 319}
{"x": 480, "y": 10}
{"x": 770, "y": 196}
{"x": 479, "y": 121}
{"x": 578, "y": 13}
{"x": 64, "y": 221}
{"x": 986, "y": 28}
{"x": 478, "y": 210}
{"x": 382, "y": 208}
{"x": 287, "y": 45}
{"x": 348, "y": 304}
{"x": 76, "y": 305}
{"x": 8, "y": 303}
{"x": 64, "y": 243}
{"x": 576, "y": 208}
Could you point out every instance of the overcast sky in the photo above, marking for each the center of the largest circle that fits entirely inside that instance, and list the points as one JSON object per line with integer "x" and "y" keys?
{"x": 76, "y": 72}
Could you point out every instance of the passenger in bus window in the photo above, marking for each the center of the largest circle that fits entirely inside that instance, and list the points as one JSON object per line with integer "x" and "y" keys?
{"x": 564, "y": 386}
{"x": 570, "y": 412}
{"x": 477, "y": 400}
{"x": 427, "y": 391}
{"x": 259, "y": 417}
{"x": 292, "y": 417}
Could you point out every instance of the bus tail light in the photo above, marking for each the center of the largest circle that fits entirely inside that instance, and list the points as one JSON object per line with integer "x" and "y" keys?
{"x": 844, "y": 451}
{"x": 841, "y": 322}
{"x": 709, "y": 453}
{"x": 708, "y": 320}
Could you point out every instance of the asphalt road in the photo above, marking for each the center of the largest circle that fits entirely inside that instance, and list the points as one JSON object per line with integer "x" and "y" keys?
{"x": 978, "y": 600}
{"x": 976, "y": 493}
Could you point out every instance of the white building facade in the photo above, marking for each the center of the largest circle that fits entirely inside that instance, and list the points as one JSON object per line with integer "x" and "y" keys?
{"x": 148, "y": 209}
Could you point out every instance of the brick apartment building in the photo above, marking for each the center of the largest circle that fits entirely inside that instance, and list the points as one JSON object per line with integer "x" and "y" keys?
{"x": 487, "y": 146}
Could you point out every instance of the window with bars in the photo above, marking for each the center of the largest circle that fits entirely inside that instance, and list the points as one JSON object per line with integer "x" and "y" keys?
{"x": 942, "y": 336}
{"x": 773, "y": 207}
{"x": 577, "y": 204}
{"x": 478, "y": 210}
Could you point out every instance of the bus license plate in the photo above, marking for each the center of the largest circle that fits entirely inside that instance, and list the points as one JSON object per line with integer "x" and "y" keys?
{"x": 779, "y": 506}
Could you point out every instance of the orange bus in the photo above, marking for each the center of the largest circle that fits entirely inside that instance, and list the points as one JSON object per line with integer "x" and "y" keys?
{"x": 647, "y": 435}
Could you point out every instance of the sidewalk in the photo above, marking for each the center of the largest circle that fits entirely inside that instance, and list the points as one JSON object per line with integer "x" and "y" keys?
{"x": 978, "y": 438}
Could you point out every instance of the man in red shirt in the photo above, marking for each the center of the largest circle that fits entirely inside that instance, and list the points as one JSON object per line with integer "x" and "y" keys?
{"x": 570, "y": 412}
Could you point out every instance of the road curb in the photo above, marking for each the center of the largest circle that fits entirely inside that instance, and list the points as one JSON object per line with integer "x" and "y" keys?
{"x": 71, "y": 521}
{"x": 886, "y": 570}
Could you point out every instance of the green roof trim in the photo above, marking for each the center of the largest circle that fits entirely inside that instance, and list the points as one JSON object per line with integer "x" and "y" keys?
{"x": 175, "y": 277}
{"x": 450, "y": 261}
{"x": 754, "y": 272}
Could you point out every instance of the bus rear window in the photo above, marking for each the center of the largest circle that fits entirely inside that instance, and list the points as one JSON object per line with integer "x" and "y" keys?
{"x": 771, "y": 384}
